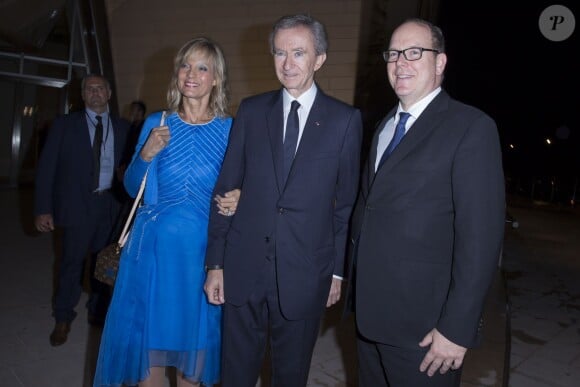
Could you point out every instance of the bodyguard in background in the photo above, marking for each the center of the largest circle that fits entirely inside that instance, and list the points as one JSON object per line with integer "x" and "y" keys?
{"x": 76, "y": 191}
{"x": 428, "y": 224}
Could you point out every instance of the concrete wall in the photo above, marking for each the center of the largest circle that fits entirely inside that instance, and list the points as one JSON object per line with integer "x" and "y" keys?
{"x": 146, "y": 34}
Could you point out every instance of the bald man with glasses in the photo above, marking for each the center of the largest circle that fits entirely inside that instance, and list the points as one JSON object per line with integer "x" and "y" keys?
{"x": 428, "y": 224}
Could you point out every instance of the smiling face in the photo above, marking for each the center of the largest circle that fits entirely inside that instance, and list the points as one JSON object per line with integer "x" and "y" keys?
{"x": 413, "y": 80}
{"x": 295, "y": 59}
{"x": 196, "y": 77}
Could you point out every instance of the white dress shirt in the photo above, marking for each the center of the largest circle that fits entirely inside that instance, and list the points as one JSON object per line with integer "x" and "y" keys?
{"x": 306, "y": 101}
{"x": 388, "y": 130}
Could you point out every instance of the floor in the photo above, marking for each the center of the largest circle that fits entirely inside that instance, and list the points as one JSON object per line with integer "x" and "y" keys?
{"x": 542, "y": 270}
{"x": 544, "y": 298}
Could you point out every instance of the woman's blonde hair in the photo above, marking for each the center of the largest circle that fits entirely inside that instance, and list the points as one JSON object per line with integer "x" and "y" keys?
{"x": 218, "y": 99}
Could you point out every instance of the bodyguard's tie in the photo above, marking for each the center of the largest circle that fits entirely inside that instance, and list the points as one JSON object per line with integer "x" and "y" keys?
{"x": 399, "y": 133}
{"x": 291, "y": 137}
{"x": 97, "y": 143}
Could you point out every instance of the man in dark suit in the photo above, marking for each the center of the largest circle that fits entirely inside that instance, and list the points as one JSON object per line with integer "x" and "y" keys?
{"x": 428, "y": 223}
{"x": 273, "y": 262}
{"x": 77, "y": 191}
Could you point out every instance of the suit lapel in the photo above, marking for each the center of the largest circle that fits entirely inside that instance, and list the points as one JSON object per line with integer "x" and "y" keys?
{"x": 82, "y": 123}
{"x": 427, "y": 122}
{"x": 373, "y": 151}
{"x": 313, "y": 130}
{"x": 275, "y": 126}
{"x": 84, "y": 135}
{"x": 314, "y": 127}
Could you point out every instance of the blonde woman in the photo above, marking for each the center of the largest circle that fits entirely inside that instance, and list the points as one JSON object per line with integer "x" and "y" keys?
{"x": 159, "y": 316}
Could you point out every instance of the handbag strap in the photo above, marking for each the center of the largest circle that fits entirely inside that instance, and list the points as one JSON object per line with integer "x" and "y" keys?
{"x": 125, "y": 233}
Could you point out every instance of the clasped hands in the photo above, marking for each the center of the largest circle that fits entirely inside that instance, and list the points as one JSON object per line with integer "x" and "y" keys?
{"x": 228, "y": 204}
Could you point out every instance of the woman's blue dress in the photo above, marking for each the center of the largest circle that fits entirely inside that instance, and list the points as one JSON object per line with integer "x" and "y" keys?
{"x": 159, "y": 314}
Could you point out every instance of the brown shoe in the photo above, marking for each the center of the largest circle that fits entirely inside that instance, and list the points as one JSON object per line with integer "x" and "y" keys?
{"x": 59, "y": 334}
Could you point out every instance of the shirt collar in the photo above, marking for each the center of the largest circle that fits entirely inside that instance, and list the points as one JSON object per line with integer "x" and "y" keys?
{"x": 421, "y": 105}
{"x": 306, "y": 99}
{"x": 92, "y": 115}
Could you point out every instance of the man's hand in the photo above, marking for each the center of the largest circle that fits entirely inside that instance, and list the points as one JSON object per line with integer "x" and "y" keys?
{"x": 334, "y": 295}
{"x": 44, "y": 222}
{"x": 443, "y": 354}
{"x": 214, "y": 286}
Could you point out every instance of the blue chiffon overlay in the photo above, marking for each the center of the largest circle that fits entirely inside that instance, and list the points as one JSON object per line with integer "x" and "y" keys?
{"x": 159, "y": 314}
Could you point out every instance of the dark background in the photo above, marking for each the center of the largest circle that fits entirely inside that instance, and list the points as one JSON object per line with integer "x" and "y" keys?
{"x": 499, "y": 61}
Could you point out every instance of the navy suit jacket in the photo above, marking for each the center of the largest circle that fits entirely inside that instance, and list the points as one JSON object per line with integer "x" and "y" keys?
{"x": 64, "y": 175}
{"x": 428, "y": 228}
{"x": 303, "y": 223}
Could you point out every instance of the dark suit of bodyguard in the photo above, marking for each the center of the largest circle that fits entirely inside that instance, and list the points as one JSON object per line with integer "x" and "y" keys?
{"x": 84, "y": 206}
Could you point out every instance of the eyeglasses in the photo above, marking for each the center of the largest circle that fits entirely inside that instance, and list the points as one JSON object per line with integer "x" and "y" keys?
{"x": 410, "y": 54}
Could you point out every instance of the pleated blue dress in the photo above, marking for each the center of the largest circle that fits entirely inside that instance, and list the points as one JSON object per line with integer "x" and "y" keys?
{"x": 159, "y": 314}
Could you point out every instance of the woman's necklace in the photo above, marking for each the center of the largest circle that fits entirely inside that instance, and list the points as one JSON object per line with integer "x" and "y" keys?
{"x": 201, "y": 119}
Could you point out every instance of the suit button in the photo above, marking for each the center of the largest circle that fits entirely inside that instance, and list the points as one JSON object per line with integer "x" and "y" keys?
{"x": 281, "y": 210}
{"x": 368, "y": 207}
{"x": 267, "y": 239}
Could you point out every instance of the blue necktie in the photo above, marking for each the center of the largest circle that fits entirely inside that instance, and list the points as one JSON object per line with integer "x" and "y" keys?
{"x": 399, "y": 133}
{"x": 291, "y": 137}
